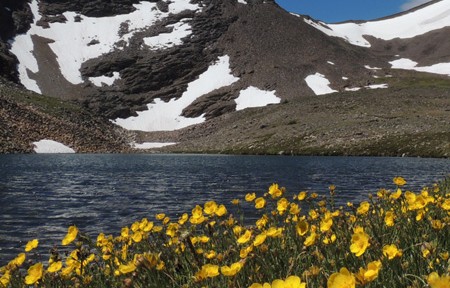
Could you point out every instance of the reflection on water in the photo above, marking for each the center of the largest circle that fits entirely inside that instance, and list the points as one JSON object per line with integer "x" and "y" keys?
{"x": 41, "y": 195}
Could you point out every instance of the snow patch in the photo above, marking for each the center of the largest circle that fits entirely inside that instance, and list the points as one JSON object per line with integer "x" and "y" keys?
{"x": 150, "y": 145}
{"x": 371, "y": 68}
{"x": 331, "y": 63}
{"x": 407, "y": 64}
{"x": 319, "y": 84}
{"x": 242, "y": 1}
{"x": 107, "y": 80}
{"x": 373, "y": 86}
{"x": 166, "y": 116}
{"x": 71, "y": 39}
{"x": 377, "y": 86}
{"x": 353, "y": 89}
{"x": 50, "y": 146}
{"x": 254, "y": 97}
{"x": 429, "y": 18}
{"x": 167, "y": 40}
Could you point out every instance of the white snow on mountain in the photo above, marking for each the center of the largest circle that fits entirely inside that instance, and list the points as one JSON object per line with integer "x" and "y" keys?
{"x": 254, "y": 97}
{"x": 319, "y": 84}
{"x": 51, "y": 146}
{"x": 167, "y": 40}
{"x": 403, "y": 63}
{"x": 414, "y": 23}
{"x": 166, "y": 116}
{"x": 71, "y": 39}
{"x": 107, "y": 80}
{"x": 150, "y": 145}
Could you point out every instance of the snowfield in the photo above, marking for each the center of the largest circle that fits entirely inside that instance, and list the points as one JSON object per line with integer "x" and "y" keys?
{"x": 150, "y": 145}
{"x": 429, "y": 18}
{"x": 71, "y": 39}
{"x": 50, "y": 146}
{"x": 254, "y": 97}
{"x": 166, "y": 116}
{"x": 440, "y": 68}
{"x": 167, "y": 40}
{"x": 319, "y": 84}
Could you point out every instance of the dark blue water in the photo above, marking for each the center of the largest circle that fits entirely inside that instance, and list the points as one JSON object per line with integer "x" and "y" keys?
{"x": 41, "y": 195}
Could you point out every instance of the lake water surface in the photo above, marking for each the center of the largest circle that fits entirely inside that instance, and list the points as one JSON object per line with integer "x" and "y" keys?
{"x": 41, "y": 195}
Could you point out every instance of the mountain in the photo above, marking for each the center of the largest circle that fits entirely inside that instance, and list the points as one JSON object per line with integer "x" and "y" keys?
{"x": 187, "y": 72}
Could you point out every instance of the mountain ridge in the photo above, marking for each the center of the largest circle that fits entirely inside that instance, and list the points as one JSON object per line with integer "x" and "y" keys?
{"x": 269, "y": 49}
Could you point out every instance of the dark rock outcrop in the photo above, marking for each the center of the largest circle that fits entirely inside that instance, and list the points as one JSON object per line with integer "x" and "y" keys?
{"x": 15, "y": 18}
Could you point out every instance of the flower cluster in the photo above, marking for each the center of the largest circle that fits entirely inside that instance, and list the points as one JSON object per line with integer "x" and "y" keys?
{"x": 395, "y": 238}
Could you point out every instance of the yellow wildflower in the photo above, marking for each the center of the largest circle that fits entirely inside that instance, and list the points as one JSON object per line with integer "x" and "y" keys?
{"x": 160, "y": 216}
{"x": 329, "y": 240}
{"x": 436, "y": 281}
{"x": 197, "y": 215}
{"x": 399, "y": 181}
{"x": 302, "y": 227}
{"x": 302, "y": 195}
{"x": 245, "y": 251}
{"x": 389, "y": 218}
{"x": 166, "y": 220}
{"x": 275, "y": 191}
{"x": 274, "y": 232}
{"x": 5, "y": 279}
{"x": 437, "y": 224}
{"x": 326, "y": 222}
{"x": 259, "y": 239}
{"x": 211, "y": 254}
{"x": 235, "y": 201}
{"x": 371, "y": 273}
{"x": 396, "y": 194}
{"x": 35, "y": 273}
{"x": 127, "y": 268}
{"x": 262, "y": 222}
{"x": 260, "y": 203}
{"x": 54, "y": 267}
{"x": 245, "y": 237}
{"x": 157, "y": 229}
{"x": 391, "y": 251}
{"x": 363, "y": 208}
{"x": 31, "y": 245}
{"x": 313, "y": 214}
{"x": 341, "y": 279}
{"x": 71, "y": 235}
{"x": 249, "y": 197}
{"x": 18, "y": 261}
{"x": 183, "y": 219}
{"x": 290, "y": 282}
{"x": 207, "y": 271}
{"x": 446, "y": 204}
{"x": 360, "y": 242}
{"x": 420, "y": 214}
{"x": 148, "y": 227}
{"x": 210, "y": 207}
{"x": 311, "y": 239}
{"x": 231, "y": 270}
{"x": 282, "y": 205}
{"x": 137, "y": 237}
{"x": 221, "y": 210}
{"x": 294, "y": 209}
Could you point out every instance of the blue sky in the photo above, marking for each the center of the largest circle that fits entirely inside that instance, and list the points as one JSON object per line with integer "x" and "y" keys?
{"x": 331, "y": 11}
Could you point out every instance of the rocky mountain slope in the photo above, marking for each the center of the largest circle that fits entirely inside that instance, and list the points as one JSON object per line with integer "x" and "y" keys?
{"x": 27, "y": 117}
{"x": 160, "y": 66}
